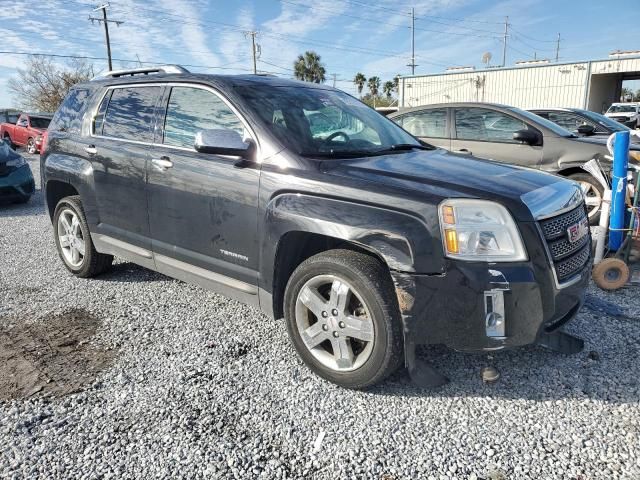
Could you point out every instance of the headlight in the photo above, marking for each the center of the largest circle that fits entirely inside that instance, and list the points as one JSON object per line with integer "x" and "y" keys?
{"x": 18, "y": 162}
{"x": 479, "y": 230}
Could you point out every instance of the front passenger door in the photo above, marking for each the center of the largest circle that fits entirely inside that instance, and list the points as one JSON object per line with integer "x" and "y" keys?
{"x": 203, "y": 207}
{"x": 488, "y": 133}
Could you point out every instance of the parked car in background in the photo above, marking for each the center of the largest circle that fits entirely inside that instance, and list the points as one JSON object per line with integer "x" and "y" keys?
{"x": 26, "y": 132}
{"x": 9, "y": 116}
{"x": 511, "y": 135}
{"x": 627, "y": 113}
{"x": 584, "y": 123}
{"x": 16, "y": 179}
{"x": 300, "y": 200}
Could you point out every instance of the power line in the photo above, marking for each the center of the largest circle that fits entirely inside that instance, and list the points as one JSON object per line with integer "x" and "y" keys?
{"x": 531, "y": 39}
{"x": 105, "y": 22}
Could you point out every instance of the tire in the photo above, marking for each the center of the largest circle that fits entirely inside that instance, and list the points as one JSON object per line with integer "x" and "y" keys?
{"x": 610, "y": 274}
{"x": 594, "y": 193}
{"x": 31, "y": 146}
{"x": 92, "y": 263}
{"x": 370, "y": 327}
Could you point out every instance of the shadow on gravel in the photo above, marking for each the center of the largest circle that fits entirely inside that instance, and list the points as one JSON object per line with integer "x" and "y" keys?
{"x": 51, "y": 357}
{"x": 607, "y": 370}
{"x": 126, "y": 272}
{"x": 35, "y": 206}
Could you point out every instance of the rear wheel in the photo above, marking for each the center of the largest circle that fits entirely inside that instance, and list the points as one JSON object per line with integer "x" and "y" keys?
{"x": 73, "y": 240}
{"x": 593, "y": 193}
{"x": 343, "y": 318}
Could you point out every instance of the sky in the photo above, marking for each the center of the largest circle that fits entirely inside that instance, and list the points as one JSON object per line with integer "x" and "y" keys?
{"x": 368, "y": 36}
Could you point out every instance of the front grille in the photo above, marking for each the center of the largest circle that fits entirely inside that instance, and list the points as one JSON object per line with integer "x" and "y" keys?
{"x": 568, "y": 258}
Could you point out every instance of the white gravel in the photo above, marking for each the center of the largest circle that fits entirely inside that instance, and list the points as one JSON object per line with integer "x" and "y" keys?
{"x": 206, "y": 387}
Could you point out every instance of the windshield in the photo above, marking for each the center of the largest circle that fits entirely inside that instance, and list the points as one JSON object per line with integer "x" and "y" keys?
{"x": 554, "y": 127}
{"x": 611, "y": 125}
{"x": 622, "y": 109}
{"x": 325, "y": 123}
{"x": 40, "y": 122}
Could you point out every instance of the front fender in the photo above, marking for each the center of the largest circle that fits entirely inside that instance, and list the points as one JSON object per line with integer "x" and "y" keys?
{"x": 404, "y": 241}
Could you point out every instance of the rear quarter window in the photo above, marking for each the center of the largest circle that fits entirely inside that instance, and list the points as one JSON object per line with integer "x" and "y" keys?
{"x": 129, "y": 114}
{"x": 68, "y": 117}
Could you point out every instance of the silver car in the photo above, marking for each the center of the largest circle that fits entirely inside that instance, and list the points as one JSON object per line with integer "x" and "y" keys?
{"x": 511, "y": 135}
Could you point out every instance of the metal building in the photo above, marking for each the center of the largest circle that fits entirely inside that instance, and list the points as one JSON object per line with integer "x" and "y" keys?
{"x": 593, "y": 85}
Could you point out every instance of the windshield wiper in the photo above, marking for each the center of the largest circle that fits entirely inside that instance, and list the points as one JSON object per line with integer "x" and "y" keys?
{"x": 399, "y": 147}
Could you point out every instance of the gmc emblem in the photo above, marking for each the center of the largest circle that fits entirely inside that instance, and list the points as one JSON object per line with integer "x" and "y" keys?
{"x": 578, "y": 230}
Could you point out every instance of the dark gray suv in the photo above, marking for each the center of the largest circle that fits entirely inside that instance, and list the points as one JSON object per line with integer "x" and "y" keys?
{"x": 511, "y": 135}
{"x": 300, "y": 200}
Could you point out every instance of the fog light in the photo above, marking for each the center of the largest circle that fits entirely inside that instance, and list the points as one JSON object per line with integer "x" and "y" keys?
{"x": 494, "y": 313}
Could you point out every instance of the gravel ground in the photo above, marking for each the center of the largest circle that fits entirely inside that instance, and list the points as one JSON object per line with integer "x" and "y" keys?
{"x": 201, "y": 386}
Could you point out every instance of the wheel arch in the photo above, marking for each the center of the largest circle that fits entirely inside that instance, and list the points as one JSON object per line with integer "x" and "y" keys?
{"x": 298, "y": 226}
{"x": 56, "y": 190}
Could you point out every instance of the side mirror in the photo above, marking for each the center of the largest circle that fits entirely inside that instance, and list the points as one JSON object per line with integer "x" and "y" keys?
{"x": 586, "y": 130}
{"x": 526, "y": 136}
{"x": 222, "y": 142}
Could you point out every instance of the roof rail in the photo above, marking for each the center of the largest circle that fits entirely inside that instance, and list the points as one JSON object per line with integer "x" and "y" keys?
{"x": 142, "y": 71}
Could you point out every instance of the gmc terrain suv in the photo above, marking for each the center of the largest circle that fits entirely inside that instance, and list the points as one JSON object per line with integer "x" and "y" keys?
{"x": 300, "y": 200}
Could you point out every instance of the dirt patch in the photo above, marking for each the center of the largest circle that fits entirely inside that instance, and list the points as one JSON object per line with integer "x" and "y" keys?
{"x": 53, "y": 356}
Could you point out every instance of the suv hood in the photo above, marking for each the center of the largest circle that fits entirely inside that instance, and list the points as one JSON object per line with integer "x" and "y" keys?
{"x": 440, "y": 174}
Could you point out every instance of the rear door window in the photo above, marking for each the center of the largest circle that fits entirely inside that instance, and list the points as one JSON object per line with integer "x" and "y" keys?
{"x": 129, "y": 114}
{"x": 68, "y": 118}
{"x": 430, "y": 123}
{"x": 486, "y": 125}
{"x": 191, "y": 110}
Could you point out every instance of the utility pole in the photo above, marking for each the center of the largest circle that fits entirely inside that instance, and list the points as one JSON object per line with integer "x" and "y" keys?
{"x": 504, "y": 47}
{"x": 105, "y": 21}
{"x": 558, "y": 49}
{"x": 334, "y": 75}
{"x": 413, "y": 42}
{"x": 253, "y": 49}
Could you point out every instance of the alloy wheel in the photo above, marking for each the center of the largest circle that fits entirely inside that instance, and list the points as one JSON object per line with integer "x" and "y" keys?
{"x": 71, "y": 238}
{"x": 592, "y": 197}
{"x": 334, "y": 323}
{"x": 31, "y": 146}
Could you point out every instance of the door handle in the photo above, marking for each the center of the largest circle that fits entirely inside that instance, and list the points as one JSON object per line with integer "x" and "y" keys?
{"x": 162, "y": 163}
{"x": 464, "y": 151}
{"x": 91, "y": 149}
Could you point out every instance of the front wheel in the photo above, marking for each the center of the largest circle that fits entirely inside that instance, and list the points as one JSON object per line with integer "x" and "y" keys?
{"x": 343, "y": 318}
{"x": 593, "y": 193}
{"x": 31, "y": 146}
{"x": 73, "y": 240}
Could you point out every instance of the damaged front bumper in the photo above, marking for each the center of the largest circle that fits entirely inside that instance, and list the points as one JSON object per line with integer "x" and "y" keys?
{"x": 479, "y": 307}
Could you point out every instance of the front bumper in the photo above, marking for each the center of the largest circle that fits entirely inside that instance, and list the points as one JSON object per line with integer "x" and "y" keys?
{"x": 451, "y": 308}
{"x": 18, "y": 184}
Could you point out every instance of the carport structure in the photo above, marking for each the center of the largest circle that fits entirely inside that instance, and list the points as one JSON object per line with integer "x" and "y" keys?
{"x": 592, "y": 85}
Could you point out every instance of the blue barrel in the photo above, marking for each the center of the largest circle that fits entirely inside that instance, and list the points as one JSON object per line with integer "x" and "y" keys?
{"x": 618, "y": 190}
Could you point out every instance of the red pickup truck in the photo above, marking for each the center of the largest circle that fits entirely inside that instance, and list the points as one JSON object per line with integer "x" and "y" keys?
{"x": 27, "y": 132}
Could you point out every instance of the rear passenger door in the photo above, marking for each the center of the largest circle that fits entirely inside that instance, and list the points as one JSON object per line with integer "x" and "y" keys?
{"x": 122, "y": 132}
{"x": 431, "y": 126}
{"x": 487, "y": 133}
{"x": 203, "y": 207}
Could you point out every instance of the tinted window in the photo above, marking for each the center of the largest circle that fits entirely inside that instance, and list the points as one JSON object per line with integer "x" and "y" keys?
{"x": 193, "y": 109}
{"x": 130, "y": 113}
{"x": 486, "y": 125}
{"x": 40, "y": 122}
{"x": 68, "y": 118}
{"x": 98, "y": 120}
{"x": 430, "y": 123}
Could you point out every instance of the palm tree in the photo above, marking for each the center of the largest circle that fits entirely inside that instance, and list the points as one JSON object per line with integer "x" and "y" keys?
{"x": 388, "y": 88}
{"x": 309, "y": 68}
{"x": 396, "y": 82}
{"x": 373, "y": 84}
{"x": 359, "y": 81}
